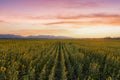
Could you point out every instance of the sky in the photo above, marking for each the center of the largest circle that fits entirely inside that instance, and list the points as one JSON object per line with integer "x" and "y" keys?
{"x": 73, "y": 18}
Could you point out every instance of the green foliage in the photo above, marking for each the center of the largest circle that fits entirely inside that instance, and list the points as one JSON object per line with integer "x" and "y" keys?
{"x": 59, "y": 60}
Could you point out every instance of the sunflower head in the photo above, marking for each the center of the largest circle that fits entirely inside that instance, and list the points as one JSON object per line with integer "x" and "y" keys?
{"x": 3, "y": 69}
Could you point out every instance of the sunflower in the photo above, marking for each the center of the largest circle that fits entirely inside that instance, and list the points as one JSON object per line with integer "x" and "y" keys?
{"x": 3, "y": 69}
{"x": 17, "y": 72}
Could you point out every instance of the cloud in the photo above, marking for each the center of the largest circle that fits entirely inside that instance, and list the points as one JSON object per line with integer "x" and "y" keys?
{"x": 36, "y": 32}
{"x": 100, "y": 15}
{"x": 65, "y": 16}
{"x": 83, "y": 19}
{"x": 91, "y": 22}
{"x": 62, "y": 22}
{"x": 90, "y": 19}
{"x": 3, "y": 21}
{"x": 73, "y": 16}
{"x": 82, "y": 4}
{"x": 71, "y": 22}
{"x": 39, "y": 17}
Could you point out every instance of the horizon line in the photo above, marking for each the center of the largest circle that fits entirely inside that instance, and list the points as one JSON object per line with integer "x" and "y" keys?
{"x": 22, "y": 36}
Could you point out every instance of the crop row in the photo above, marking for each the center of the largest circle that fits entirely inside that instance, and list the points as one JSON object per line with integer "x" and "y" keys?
{"x": 57, "y": 60}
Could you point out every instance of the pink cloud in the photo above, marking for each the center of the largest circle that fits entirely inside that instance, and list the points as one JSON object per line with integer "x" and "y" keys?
{"x": 93, "y": 19}
{"x": 89, "y": 16}
{"x": 68, "y": 17}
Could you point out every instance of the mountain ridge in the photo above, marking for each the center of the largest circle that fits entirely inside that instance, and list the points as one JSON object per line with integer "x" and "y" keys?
{"x": 13, "y": 36}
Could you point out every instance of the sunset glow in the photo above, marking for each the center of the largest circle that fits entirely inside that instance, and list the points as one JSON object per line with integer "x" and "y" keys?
{"x": 73, "y": 18}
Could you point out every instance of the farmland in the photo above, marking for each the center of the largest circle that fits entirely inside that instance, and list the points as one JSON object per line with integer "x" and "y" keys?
{"x": 59, "y": 59}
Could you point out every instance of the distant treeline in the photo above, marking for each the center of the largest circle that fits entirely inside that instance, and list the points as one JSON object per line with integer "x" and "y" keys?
{"x": 117, "y": 38}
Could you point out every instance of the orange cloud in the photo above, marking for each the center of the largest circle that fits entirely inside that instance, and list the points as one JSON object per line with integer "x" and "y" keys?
{"x": 92, "y": 22}
{"x": 2, "y": 21}
{"x": 36, "y": 32}
{"x": 61, "y": 22}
